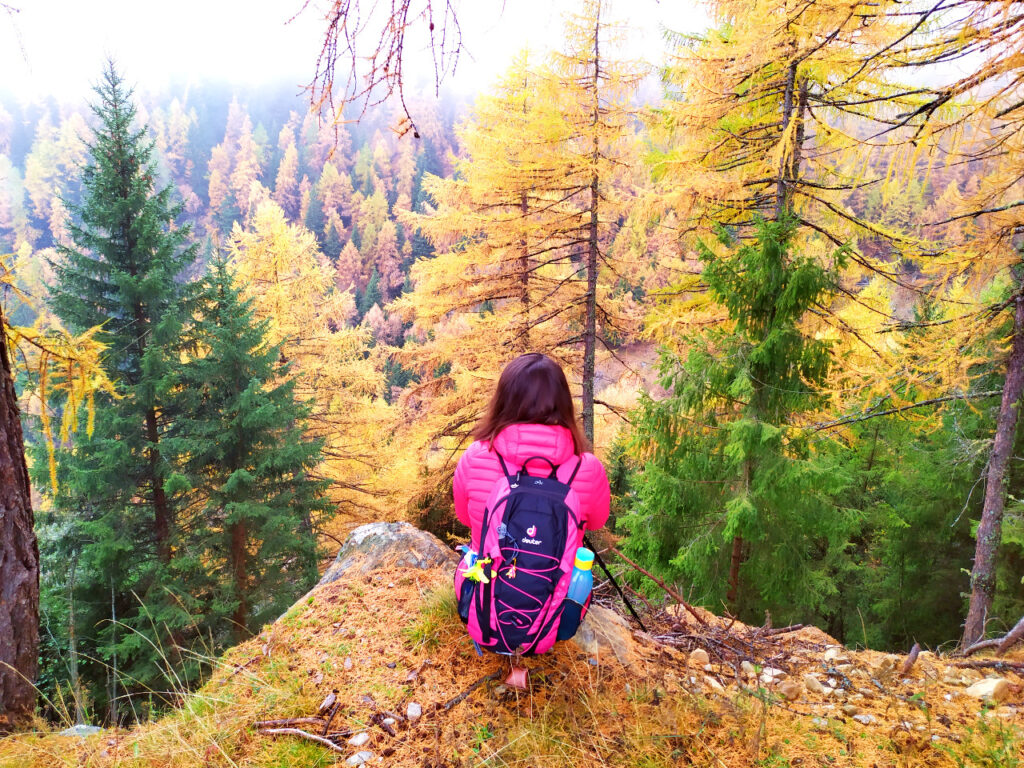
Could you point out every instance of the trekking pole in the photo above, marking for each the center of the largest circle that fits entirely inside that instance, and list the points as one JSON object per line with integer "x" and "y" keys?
{"x": 615, "y": 584}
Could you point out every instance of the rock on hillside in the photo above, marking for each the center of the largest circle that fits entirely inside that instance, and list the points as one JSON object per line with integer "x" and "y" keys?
{"x": 392, "y": 545}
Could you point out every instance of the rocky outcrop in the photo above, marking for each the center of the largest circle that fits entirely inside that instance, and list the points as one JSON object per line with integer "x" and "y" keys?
{"x": 388, "y": 545}
{"x": 605, "y": 633}
{"x": 602, "y": 635}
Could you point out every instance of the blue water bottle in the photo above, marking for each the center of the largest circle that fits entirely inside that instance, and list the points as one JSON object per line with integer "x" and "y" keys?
{"x": 580, "y": 584}
{"x": 582, "y": 580}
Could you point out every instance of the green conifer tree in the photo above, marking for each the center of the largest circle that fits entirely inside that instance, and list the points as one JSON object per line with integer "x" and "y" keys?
{"x": 729, "y": 496}
{"x": 242, "y": 461}
{"x": 122, "y": 273}
{"x": 371, "y": 295}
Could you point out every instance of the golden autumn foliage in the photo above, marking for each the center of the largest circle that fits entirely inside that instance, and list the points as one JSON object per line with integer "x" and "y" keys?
{"x": 293, "y": 287}
{"x": 60, "y": 363}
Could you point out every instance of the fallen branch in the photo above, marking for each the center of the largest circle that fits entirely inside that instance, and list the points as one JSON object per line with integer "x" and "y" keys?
{"x": 1012, "y": 637}
{"x": 981, "y": 645}
{"x": 911, "y": 659}
{"x": 330, "y": 718}
{"x": 305, "y": 735}
{"x": 668, "y": 590}
{"x": 289, "y": 721}
{"x": 462, "y": 696}
{"x": 378, "y": 718}
{"x": 783, "y": 630}
{"x": 1016, "y": 666}
{"x": 1001, "y": 644}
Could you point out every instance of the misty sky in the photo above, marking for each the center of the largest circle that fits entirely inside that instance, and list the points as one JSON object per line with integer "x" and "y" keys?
{"x": 57, "y": 47}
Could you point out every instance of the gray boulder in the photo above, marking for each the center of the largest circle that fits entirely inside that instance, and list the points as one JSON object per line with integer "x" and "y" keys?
{"x": 380, "y": 545}
{"x": 605, "y": 633}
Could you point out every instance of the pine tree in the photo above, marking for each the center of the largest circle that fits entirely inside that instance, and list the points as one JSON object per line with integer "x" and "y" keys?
{"x": 122, "y": 273}
{"x": 728, "y": 494}
{"x": 241, "y": 453}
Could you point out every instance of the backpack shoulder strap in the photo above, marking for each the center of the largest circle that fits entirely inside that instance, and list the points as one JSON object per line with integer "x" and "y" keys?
{"x": 573, "y": 475}
{"x": 504, "y": 467}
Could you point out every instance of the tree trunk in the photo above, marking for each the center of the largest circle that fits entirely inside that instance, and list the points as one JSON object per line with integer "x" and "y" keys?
{"x": 523, "y": 342}
{"x": 782, "y": 191}
{"x": 161, "y": 510}
{"x": 76, "y": 680}
{"x": 19, "y": 561}
{"x": 238, "y": 571}
{"x": 983, "y": 576}
{"x": 112, "y": 718}
{"x": 735, "y": 561}
{"x": 590, "y": 324}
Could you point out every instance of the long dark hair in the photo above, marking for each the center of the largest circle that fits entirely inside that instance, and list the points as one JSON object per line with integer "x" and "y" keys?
{"x": 531, "y": 390}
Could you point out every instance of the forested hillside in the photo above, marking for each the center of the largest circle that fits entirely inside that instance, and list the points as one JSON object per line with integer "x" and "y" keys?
{"x": 787, "y": 295}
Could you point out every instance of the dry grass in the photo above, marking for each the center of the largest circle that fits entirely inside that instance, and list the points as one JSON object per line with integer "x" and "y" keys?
{"x": 398, "y": 630}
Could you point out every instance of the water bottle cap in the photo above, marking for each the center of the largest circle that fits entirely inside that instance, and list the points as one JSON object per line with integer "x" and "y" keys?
{"x": 584, "y": 559}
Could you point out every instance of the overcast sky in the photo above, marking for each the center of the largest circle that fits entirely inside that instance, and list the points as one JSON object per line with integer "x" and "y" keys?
{"x": 57, "y": 47}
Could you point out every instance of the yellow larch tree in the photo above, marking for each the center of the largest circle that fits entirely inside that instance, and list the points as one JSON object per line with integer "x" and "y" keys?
{"x": 293, "y": 287}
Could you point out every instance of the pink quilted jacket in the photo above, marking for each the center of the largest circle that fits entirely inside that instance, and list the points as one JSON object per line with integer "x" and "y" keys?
{"x": 478, "y": 469}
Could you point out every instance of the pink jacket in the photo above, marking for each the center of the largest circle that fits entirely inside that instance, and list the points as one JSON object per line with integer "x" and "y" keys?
{"x": 478, "y": 469}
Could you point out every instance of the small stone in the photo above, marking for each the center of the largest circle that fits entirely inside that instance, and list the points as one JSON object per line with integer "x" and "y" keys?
{"x": 714, "y": 685}
{"x": 850, "y": 709}
{"x": 948, "y": 696}
{"x": 990, "y": 689}
{"x": 748, "y": 669}
{"x": 791, "y": 689}
{"x": 770, "y": 675}
{"x": 347, "y": 664}
{"x": 970, "y": 676}
{"x": 864, "y": 719}
{"x": 359, "y": 739}
{"x": 812, "y": 684}
{"x": 359, "y": 758}
{"x": 819, "y": 722}
{"x": 832, "y": 653}
{"x": 592, "y": 662}
{"x": 391, "y": 665}
{"x": 699, "y": 657}
{"x": 709, "y": 668}
{"x": 844, "y": 668}
{"x": 884, "y": 668}
{"x": 388, "y": 721}
{"x": 414, "y": 711}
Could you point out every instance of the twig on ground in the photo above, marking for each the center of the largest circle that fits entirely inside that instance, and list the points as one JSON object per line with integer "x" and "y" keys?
{"x": 330, "y": 718}
{"x": 305, "y": 735}
{"x": 462, "y": 696}
{"x": 783, "y": 630}
{"x": 1015, "y": 666}
{"x": 289, "y": 721}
